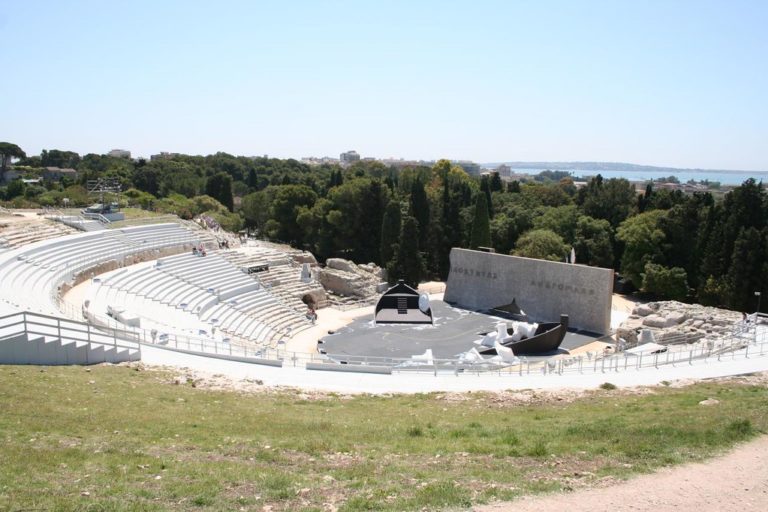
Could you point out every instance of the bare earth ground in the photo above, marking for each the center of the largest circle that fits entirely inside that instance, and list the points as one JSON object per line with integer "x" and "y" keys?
{"x": 737, "y": 481}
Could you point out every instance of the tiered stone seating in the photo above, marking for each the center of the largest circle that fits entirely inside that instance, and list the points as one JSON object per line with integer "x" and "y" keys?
{"x": 31, "y": 274}
{"x": 283, "y": 279}
{"x": 18, "y": 234}
{"x": 200, "y": 293}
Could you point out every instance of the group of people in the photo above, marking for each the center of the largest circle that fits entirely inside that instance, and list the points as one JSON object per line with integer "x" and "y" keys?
{"x": 223, "y": 244}
{"x": 198, "y": 251}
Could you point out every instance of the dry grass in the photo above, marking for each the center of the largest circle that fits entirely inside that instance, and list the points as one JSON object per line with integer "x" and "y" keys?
{"x": 116, "y": 438}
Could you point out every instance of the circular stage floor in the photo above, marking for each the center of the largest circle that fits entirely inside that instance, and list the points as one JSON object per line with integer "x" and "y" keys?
{"x": 453, "y": 332}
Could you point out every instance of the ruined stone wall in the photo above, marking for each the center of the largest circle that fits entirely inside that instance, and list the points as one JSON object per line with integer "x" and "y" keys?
{"x": 544, "y": 289}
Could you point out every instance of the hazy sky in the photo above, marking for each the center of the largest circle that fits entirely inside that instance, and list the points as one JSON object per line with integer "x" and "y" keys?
{"x": 667, "y": 82}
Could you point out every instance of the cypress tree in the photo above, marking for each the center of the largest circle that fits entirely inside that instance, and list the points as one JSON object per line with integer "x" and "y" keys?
{"x": 745, "y": 275}
{"x": 485, "y": 187}
{"x": 496, "y": 183}
{"x": 408, "y": 263}
{"x": 419, "y": 207}
{"x": 390, "y": 232}
{"x": 481, "y": 225}
{"x": 219, "y": 187}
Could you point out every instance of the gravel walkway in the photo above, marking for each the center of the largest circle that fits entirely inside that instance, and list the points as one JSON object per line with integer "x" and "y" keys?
{"x": 737, "y": 481}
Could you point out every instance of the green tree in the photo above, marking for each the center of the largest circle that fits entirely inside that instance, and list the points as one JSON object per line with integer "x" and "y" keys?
{"x": 319, "y": 232}
{"x": 390, "y": 231}
{"x": 8, "y": 151}
{"x": 481, "y": 227}
{"x": 496, "y": 184}
{"x": 561, "y": 219}
{"x": 408, "y": 263}
{"x": 745, "y": 274}
{"x": 58, "y": 158}
{"x": 611, "y": 200}
{"x": 643, "y": 238}
{"x": 288, "y": 199}
{"x": 485, "y": 188}
{"x": 356, "y": 216}
{"x": 15, "y": 188}
{"x": 506, "y": 227}
{"x": 256, "y": 208}
{"x": 541, "y": 244}
{"x": 219, "y": 187}
{"x": 592, "y": 243}
{"x": 664, "y": 282}
{"x": 419, "y": 207}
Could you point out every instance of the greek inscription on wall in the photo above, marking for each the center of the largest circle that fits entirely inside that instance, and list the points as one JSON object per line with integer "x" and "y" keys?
{"x": 476, "y": 273}
{"x": 550, "y": 285}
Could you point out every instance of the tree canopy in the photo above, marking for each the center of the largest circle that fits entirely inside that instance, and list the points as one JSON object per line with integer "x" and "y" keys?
{"x": 712, "y": 247}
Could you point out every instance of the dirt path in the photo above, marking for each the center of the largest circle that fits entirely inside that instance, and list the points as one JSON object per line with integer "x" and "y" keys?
{"x": 737, "y": 481}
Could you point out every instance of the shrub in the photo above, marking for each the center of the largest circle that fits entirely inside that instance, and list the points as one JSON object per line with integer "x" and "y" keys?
{"x": 664, "y": 282}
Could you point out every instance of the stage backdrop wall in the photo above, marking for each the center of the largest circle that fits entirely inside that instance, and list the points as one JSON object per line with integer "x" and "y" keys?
{"x": 543, "y": 289}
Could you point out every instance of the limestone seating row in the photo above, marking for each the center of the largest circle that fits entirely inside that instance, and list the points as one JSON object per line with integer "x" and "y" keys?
{"x": 27, "y": 233}
{"x": 255, "y": 255}
{"x": 153, "y": 284}
{"x": 46, "y": 350}
{"x": 31, "y": 275}
{"x": 98, "y": 244}
{"x": 172, "y": 320}
{"x": 184, "y": 321}
{"x": 80, "y": 252}
{"x": 163, "y": 288}
{"x": 210, "y": 272}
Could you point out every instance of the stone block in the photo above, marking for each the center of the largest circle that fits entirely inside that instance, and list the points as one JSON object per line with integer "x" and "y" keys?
{"x": 341, "y": 264}
{"x": 676, "y": 317}
{"x": 642, "y": 310}
{"x": 656, "y": 321}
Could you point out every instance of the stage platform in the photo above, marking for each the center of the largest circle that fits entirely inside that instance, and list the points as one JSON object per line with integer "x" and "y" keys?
{"x": 453, "y": 332}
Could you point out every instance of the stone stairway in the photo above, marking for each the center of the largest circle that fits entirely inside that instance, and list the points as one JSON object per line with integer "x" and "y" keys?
{"x": 49, "y": 350}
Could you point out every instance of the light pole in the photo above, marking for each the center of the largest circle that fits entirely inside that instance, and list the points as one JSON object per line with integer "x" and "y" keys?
{"x": 758, "y": 295}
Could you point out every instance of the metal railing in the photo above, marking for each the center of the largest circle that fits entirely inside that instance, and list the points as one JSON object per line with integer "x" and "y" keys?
{"x": 748, "y": 339}
{"x": 96, "y": 216}
{"x": 65, "y": 330}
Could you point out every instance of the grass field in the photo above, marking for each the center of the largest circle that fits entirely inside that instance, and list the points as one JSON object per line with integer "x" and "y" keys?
{"x": 124, "y": 438}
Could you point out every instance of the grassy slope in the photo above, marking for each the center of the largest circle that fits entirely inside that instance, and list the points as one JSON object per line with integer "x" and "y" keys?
{"x": 114, "y": 438}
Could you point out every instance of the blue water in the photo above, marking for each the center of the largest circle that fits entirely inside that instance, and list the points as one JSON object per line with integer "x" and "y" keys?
{"x": 725, "y": 178}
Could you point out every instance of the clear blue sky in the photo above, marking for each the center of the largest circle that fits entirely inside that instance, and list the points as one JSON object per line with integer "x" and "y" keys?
{"x": 677, "y": 83}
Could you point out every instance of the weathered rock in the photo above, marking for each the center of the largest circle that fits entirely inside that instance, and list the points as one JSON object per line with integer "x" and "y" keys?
{"x": 677, "y": 322}
{"x": 315, "y": 296}
{"x": 656, "y": 321}
{"x": 304, "y": 257}
{"x": 676, "y": 317}
{"x": 710, "y": 401}
{"x": 643, "y": 310}
{"x": 346, "y": 283}
{"x": 629, "y": 330}
{"x": 341, "y": 264}
{"x": 344, "y": 277}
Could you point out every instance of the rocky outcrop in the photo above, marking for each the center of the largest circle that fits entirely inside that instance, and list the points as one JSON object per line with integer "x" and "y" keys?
{"x": 344, "y": 277}
{"x": 314, "y": 297}
{"x": 676, "y": 322}
{"x": 304, "y": 257}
